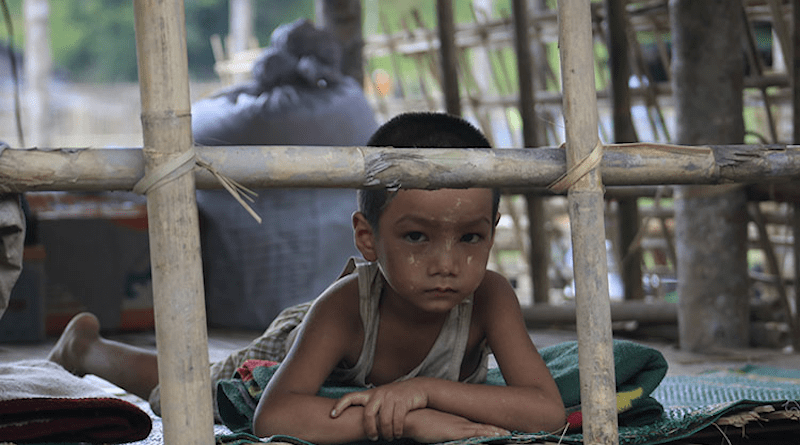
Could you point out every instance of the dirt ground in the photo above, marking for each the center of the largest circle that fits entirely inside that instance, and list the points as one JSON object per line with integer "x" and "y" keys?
{"x": 221, "y": 342}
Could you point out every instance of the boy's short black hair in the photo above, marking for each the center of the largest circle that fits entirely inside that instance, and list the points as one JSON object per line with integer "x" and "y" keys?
{"x": 420, "y": 130}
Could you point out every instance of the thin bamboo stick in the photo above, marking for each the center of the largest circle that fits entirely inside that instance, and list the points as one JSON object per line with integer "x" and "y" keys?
{"x": 795, "y": 81}
{"x": 585, "y": 199}
{"x": 174, "y": 234}
{"x": 449, "y": 59}
{"x": 349, "y": 167}
{"x": 772, "y": 262}
{"x": 539, "y": 254}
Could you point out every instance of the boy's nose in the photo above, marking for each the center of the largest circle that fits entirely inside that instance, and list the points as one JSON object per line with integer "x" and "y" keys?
{"x": 445, "y": 263}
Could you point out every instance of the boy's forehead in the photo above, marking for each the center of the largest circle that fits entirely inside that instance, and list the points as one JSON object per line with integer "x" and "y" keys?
{"x": 472, "y": 200}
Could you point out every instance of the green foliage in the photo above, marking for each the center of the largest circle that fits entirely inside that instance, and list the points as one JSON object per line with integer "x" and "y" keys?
{"x": 94, "y": 40}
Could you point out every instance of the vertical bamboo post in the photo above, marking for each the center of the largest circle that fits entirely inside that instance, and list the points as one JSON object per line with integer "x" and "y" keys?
{"x": 585, "y": 200}
{"x": 38, "y": 65}
{"x": 540, "y": 244}
{"x": 240, "y": 31}
{"x": 794, "y": 72}
{"x": 448, "y": 56}
{"x": 179, "y": 307}
{"x": 624, "y": 131}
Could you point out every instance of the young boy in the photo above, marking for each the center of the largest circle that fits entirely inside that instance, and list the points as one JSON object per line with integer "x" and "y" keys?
{"x": 414, "y": 324}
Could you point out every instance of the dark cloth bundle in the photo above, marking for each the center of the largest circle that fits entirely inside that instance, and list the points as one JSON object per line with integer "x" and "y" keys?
{"x": 42, "y": 402}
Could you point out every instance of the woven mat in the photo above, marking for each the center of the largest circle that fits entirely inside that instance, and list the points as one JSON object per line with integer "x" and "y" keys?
{"x": 698, "y": 408}
{"x": 706, "y": 408}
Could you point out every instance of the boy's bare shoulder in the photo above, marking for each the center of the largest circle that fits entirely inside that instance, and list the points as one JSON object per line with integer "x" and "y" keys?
{"x": 494, "y": 290}
{"x": 493, "y": 283}
{"x": 339, "y": 300}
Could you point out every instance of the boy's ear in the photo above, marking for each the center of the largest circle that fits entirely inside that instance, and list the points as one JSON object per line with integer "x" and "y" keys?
{"x": 364, "y": 237}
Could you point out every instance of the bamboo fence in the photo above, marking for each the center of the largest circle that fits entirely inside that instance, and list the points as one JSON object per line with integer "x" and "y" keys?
{"x": 585, "y": 200}
{"x": 180, "y": 316}
{"x": 173, "y": 222}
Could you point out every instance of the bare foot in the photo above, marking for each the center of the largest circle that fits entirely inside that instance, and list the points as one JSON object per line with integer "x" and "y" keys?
{"x": 70, "y": 349}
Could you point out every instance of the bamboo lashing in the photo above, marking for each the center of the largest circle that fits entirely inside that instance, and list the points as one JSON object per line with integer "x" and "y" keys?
{"x": 579, "y": 170}
{"x": 186, "y": 162}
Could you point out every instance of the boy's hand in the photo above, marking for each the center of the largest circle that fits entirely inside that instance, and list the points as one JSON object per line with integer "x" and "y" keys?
{"x": 385, "y": 407}
{"x": 430, "y": 425}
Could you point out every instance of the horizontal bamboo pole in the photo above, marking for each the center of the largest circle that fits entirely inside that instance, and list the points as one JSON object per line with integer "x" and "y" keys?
{"x": 640, "y": 311}
{"x": 352, "y": 167}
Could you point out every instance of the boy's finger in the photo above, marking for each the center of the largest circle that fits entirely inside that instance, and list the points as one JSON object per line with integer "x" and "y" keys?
{"x": 348, "y": 400}
{"x": 492, "y": 431}
{"x": 398, "y": 422}
{"x": 371, "y": 421}
{"x": 387, "y": 421}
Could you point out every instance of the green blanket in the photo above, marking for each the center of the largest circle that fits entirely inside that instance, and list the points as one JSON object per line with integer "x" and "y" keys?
{"x": 639, "y": 370}
{"x": 696, "y": 409}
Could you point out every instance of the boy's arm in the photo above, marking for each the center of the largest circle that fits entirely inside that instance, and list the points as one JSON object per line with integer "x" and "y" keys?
{"x": 531, "y": 401}
{"x": 289, "y": 404}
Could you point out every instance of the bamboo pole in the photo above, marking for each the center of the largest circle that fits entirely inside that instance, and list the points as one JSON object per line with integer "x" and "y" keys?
{"x": 76, "y": 169}
{"x": 38, "y": 66}
{"x": 449, "y": 59}
{"x": 624, "y": 131}
{"x": 586, "y": 212}
{"x": 795, "y": 82}
{"x": 639, "y": 311}
{"x": 539, "y": 255}
{"x": 174, "y": 234}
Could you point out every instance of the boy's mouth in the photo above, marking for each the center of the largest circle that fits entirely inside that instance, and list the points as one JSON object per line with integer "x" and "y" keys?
{"x": 443, "y": 290}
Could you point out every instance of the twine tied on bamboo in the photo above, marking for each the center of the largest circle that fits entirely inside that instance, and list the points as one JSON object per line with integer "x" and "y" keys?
{"x": 186, "y": 162}
{"x": 579, "y": 170}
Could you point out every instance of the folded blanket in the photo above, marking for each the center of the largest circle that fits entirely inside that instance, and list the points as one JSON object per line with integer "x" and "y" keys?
{"x": 639, "y": 370}
{"x": 41, "y": 402}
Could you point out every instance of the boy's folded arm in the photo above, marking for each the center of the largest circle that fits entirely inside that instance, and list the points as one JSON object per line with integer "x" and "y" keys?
{"x": 523, "y": 409}
{"x": 308, "y": 417}
{"x": 289, "y": 404}
{"x": 530, "y": 401}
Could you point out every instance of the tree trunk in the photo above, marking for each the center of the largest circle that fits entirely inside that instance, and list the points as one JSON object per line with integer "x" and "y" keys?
{"x": 710, "y": 221}
{"x": 343, "y": 19}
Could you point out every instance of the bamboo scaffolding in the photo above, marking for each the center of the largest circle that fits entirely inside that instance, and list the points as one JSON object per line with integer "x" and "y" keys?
{"x": 95, "y": 169}
{"x": 539, "y": 254}
{"x": 178, "y": 296}
{"x": 448, "y": 58}
{"x": 585, "y": 200}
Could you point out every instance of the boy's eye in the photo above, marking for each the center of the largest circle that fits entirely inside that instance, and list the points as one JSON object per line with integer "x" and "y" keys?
{"x": 415, "y": 237}
{"x": 471, "y": 238}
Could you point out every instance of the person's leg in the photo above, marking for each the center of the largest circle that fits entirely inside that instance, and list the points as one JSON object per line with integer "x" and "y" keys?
{"x": 81, "y": 350}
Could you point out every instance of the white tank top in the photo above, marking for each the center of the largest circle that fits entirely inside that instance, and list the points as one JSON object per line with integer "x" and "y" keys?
{"x": 443, "y": 360}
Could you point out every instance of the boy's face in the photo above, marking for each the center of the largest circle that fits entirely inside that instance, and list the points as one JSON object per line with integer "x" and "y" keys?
{"x": 432, "y": 245}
